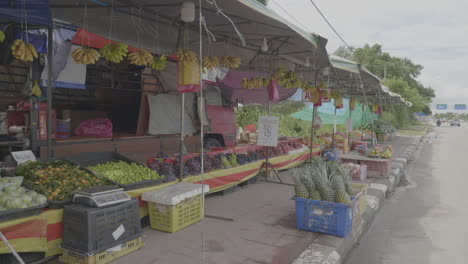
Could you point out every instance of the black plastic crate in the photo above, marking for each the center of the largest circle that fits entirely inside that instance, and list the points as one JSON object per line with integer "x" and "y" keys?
{"x": 28, "y": 257}
{"x": 87, "y": 159}
{"x": 227, "y": 191}
{"x": 88, "y": 230}
{"x": 250, "y": 181}
{"x": 21, "y": 212}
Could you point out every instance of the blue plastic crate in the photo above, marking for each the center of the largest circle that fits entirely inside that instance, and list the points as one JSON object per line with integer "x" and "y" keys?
{"x": 324, "y": 217}
{"x": 331, "y": 154}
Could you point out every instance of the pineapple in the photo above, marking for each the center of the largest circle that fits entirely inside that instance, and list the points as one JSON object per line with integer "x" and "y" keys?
{"x": 300, "y": 189}
{"x": 309, "y": 182}
{"x": 340, "y": 191}
{"x": 344, "y": 173}
{"x": 327, "y": 193}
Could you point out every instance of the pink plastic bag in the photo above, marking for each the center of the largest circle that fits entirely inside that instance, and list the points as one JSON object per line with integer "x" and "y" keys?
{"x": 99, "y": 127}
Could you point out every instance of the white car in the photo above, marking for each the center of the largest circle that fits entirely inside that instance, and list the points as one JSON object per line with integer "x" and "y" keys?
{"x": 455, "y": 122}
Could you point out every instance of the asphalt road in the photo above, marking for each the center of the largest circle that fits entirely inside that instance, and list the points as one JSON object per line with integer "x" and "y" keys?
{"x": 427, "y": 220}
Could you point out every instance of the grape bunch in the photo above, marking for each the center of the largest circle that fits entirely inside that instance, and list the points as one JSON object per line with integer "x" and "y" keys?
{"x": 164, "y": 168}
{"x": 194, "y": 165}
{"x": 207, "y": 167}
{"x": 216, "y": 162}
{"x": 253, "y": 156}
{"x": 176, "y": 166}
{"x": 225, "y": 162}
{"x": 242, "y": 159}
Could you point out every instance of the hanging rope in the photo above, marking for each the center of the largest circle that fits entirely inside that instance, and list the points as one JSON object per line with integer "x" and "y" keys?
{"x": 220, "y": 11}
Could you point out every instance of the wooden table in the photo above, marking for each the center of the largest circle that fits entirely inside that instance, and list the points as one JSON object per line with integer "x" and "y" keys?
{"x": 376, "y": 167}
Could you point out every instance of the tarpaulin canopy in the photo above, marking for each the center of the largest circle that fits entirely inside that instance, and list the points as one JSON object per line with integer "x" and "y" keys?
{"x": 358, "y": 116}
{"x": 153, "y": 25}
{"x": 35, "y": 12}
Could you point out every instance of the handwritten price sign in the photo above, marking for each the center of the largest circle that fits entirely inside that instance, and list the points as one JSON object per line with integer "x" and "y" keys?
{"x": 267, "y": 131}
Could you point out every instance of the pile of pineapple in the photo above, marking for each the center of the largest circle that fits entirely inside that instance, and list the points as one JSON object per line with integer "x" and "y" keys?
{"x": 323, "y": 181}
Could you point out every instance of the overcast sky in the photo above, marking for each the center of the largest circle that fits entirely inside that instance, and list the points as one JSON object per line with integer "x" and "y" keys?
{"x": 431, "y": 33}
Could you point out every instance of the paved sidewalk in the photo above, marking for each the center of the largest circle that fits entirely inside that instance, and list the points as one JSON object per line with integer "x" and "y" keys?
{"x": 256, "y": 224}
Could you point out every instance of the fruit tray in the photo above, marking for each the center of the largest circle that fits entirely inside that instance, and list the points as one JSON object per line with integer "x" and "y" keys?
{"x": 94, "y": 158}
{"x": 21, "y": 212}
{"x": 59, "y": 204}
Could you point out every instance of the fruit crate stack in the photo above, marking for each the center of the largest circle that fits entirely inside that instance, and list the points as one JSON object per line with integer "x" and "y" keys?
{"x": 175, "y": 207}
{"x": 90, "y": 232}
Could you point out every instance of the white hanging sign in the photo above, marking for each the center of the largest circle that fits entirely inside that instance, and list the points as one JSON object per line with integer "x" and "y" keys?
{"x": 267, "y": 131}
{"x": 23, "y": 156}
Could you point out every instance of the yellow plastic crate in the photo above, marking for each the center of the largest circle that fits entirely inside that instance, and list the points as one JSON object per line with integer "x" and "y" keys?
{"x": 70, "y": 257}
{"x": 172, "y": 218}
{"x": 360, "y": 192}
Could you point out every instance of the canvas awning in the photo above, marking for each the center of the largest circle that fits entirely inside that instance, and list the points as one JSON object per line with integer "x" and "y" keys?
{"x": 150, "y": 24}
{"x": 34, "y": 12}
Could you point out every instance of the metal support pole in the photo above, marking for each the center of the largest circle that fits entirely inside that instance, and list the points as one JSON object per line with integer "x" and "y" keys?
{"x": 181, "y": 151}
{"x": 49, "y": 92}
{"x": 334, "y": 130}
{"x": 352, "y": 125}
{"x": 312, "y": 134}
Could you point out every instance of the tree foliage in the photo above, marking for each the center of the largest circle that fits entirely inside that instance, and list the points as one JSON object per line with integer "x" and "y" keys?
{"x": 400, "y": 74}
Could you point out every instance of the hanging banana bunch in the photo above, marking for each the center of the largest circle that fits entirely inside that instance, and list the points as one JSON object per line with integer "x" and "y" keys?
{"x": 297, "y": 84}
{"x": 308, "y": 88}
{"x": 141, "y": 58}
{"x": 338, "y": 100}
{"x": 36, "y": 90}
{"x": 2, "y": 36}
{"x": 230, "y": 62}
{"x": 159, "y": 64}
{"x": 352, "y": 103}
{"x": 316, "y": 96}
{"x": 210, "y": 63}
{"x": 187, "y": 56}
{"x": 85, "y": 56}
{"x": 114, "y": 52}
{"x": 23, "y": 51}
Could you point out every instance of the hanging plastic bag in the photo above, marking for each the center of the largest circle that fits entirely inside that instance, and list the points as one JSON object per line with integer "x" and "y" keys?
{"x": 188, "y": 77}
{"x": 99, "y": 127}
{"x": 273, "y": 93}
{"x": 317, "y": 122}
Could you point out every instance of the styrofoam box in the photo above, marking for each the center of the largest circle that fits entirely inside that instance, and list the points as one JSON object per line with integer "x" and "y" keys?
{"x": 175, "y": 193}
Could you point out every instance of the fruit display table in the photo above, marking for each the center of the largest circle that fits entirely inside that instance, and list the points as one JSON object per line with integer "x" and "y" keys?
{"x": 376, "y": 167}
{"x": 43, "y": 232}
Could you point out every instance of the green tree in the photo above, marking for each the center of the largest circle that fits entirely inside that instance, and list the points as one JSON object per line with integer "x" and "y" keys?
{"x": 386, "y": 66}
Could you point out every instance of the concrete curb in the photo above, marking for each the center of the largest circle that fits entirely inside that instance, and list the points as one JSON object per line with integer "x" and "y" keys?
{"x": 327, "y": 249}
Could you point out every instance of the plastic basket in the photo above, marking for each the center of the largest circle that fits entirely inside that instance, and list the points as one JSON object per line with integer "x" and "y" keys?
{"x": 172, "y": 218}
{"x": 331, "y": 154}
{"x": 324, "y": 217}
{"x": 94, "y": 158}
{"x": 70, "y": 257}
{"x": 21, "y": 212}
{"x": 88, "y": 230}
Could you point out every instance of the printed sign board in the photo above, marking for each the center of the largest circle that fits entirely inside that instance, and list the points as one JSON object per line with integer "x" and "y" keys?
{"x": 441, "y": 107}
{"x": 23, "y": 156}
{"x": 267, "y": 131}
{"x": 460, "y": 107}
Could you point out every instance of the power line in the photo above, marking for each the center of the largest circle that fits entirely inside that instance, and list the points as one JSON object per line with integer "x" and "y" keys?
{"x": 328, "y": 22}
{"x": 285, "y": 11}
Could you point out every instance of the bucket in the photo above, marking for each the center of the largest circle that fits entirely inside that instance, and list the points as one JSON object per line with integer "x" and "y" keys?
{"x": 63, "y": 128}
